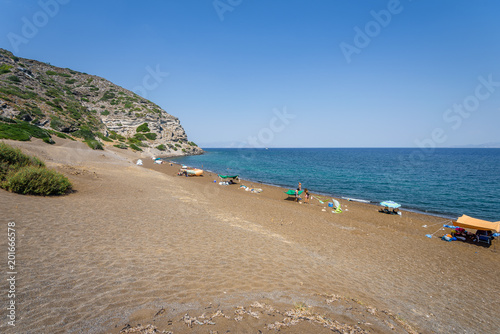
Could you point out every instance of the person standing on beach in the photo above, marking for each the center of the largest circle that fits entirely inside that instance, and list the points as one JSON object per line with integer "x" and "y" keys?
{"x": 306, "y": 196}
{"x": 297, "y": 192}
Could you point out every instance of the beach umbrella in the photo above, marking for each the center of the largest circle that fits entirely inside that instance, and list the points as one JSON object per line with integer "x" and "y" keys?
{"x": 336, "y": 203}
{"x": 390, "y": 204}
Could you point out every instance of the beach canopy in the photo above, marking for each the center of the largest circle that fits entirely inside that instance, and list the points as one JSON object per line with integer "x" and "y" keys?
{"x": 228, "y": 176}
{"x": 477, "y": 224}
{"x": 390, "y": 204}
{"x": 291, "y": 192}
{"x": 336, "y": 203}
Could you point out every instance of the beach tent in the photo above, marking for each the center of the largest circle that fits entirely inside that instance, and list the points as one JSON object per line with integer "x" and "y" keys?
{"x": 291, "y": 192}
{"x": 477, "y": 224}
{"x": 228, "y": 176}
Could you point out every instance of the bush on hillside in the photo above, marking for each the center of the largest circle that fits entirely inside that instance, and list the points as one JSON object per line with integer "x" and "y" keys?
{"x": 94, "y": 144}
{"x": 24, "y": 174}
{"x": 14, "y": 78}
{"x": 103, "y": 137}
{"x": 12, "y": 159}
{"x": 22, "y": 131}
{"x": 37, "y": 181}
{"x": 143, "y": 128}
{"x": 121, "y": 145}
{"x": 135, "y": 147}
{"x": 150, "y": 135}
{"x": 5, "y": 68}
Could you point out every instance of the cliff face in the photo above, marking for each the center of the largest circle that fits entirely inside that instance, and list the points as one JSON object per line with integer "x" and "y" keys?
{"x": 68, "y": 101}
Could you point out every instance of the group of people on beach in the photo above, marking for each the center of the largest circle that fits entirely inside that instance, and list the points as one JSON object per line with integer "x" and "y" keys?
{"x": 307, "y": 196}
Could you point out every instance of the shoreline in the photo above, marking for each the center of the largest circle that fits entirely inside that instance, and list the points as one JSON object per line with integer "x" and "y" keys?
{"x": 313, "y": 192}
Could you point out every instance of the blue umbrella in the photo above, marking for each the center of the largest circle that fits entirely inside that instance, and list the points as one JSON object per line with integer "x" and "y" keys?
{"x": 390, "y": 204}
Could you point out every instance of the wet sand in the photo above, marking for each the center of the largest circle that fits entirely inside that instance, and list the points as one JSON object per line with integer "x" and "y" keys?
{"x": 140, "y": 245}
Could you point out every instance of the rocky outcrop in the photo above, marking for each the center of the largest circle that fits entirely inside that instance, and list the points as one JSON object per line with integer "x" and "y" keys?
{"x": 69, "y": 101}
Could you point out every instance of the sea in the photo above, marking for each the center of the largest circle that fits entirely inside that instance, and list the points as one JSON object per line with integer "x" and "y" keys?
{"x": 446, "y": 182}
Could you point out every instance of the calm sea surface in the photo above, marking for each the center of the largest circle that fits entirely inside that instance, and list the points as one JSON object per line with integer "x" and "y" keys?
{"x": 448, "y": 182}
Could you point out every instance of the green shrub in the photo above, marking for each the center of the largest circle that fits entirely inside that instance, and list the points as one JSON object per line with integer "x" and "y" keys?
{"x": 143, "y": 128}
{"x": 16, "y": 91}
{"x": 135, "y": 147}
{"x": 94, "y": 144}
{"x": 105, "y": 113}
{"x": 108, "y": 95}
{"x": 12, "y": 131}
{"x": 56, "y": 123}
{"x": 14, "y": 78}
{"x": 113, "y": 135}
{"x": 13, "y": 158}
{"x": 150, "y": 136}
{"x": 184, "y": 150}
{"x": 192, "y": 143}
{"x": 22, "y": 131}
{"x": 70, "y": 81}
{"x": 177, "y": 145}
{"x": 139, "y": 137}
{"x": 84, "y": 133}
{"x": 103, "y": 137}
{"x": 37, "y": 181}
{"x": 52, "y": 92}
{"x": 61, "y": 135}
{"x": 121, "y": 145}
{"x": 33, "y": 109}
{"x": 161, "y": 147}
{"x": 7, "y": 120}
{"x": 5, "y": 68}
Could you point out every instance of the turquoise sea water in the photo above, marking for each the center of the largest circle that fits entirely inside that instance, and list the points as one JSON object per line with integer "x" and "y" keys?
{"x": 448, "y": 182}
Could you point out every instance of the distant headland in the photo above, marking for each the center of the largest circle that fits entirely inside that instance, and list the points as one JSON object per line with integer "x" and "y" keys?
{"x": 64, "y": 102}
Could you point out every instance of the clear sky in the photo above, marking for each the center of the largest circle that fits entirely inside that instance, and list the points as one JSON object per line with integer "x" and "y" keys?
{"x": 285, "y": 73}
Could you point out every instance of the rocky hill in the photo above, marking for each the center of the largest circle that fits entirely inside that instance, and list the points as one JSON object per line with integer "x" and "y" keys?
{"x": 87, "y": 106}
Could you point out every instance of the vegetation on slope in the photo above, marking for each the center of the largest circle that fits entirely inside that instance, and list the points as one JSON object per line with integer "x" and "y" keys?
{"x": 28, "y": 175}
{"x": 37, "y": 94}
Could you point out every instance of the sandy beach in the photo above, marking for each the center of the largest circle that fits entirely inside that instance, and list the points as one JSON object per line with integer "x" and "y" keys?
{"x": 140, "y": 245}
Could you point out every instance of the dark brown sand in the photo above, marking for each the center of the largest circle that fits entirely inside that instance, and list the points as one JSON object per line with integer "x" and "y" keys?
{"x": 140, "y": 245}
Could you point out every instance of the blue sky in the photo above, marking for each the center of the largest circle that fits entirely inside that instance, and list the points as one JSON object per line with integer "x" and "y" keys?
{"x": 285, "y": 73}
